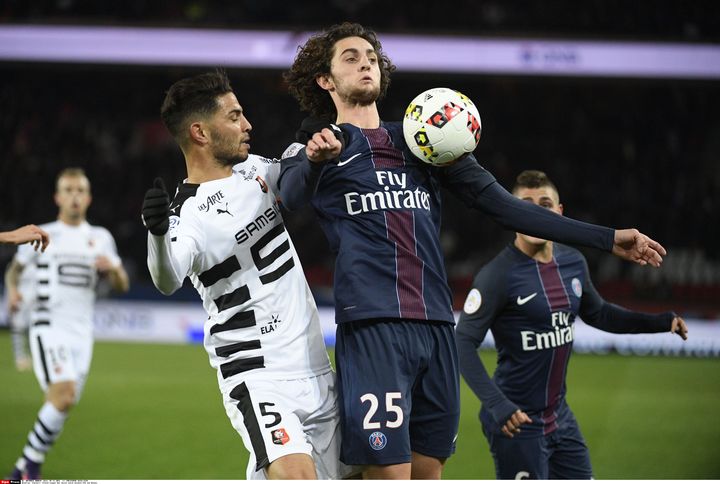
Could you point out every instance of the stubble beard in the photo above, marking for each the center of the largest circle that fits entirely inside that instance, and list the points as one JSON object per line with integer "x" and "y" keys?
{"x": 360, "y": 97}
{"x": 227, "y": 153}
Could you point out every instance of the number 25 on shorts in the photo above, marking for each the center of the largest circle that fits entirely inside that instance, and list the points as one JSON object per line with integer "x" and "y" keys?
{"x": 390, "y": 408}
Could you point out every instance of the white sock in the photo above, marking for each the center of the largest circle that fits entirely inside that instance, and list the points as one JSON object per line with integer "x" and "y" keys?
{"x": 49, "y": 424}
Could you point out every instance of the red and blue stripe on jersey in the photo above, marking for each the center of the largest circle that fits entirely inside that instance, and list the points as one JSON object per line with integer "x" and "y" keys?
{"x": 380, "y": 209}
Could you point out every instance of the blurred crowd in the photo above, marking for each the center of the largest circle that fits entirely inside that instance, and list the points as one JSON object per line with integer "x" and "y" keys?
{"x": 697, "y": 20}
{"x": 623, "y": 153}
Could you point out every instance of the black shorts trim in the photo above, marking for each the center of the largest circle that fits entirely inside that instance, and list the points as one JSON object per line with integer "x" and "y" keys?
{"x": 242, "y": 395}
{"x": 42, "y": 359}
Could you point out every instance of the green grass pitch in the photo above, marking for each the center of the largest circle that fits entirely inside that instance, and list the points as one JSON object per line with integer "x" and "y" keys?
{"x": 154, "y": 412}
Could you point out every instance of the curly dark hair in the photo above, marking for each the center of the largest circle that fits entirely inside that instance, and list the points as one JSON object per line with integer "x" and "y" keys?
{"x": 190, "y": 96}
{"x": 313, "y": 60}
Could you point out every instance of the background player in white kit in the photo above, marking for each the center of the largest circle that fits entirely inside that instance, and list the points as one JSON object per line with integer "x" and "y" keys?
{"x": 61, "y": 339}
{"x": 19, "y": 310}
{"x": 19, "y": 316}
{"x": 224, "y": 231}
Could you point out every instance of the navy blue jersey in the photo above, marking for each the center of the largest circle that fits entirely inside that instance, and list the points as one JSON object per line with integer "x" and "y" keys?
{"x": 530, "y": 307}
{"x": 379, "y": 207}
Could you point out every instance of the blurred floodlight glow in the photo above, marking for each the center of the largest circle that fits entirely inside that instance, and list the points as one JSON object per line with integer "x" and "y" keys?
{"x": 277, "y": 49}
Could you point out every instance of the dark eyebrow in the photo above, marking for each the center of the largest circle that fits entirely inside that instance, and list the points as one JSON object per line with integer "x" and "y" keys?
{"x": 235, "y": 111}
{"x": 353, "y": 50}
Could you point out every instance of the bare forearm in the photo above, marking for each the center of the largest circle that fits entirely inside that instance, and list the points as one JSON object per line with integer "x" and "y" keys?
{"x": 119, "y": 280}
{"x": 12, "y": 275}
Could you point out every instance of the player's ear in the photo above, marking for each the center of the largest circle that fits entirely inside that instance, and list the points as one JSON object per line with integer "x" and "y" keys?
{"x": 198, "y": 133}
{"x": 325, "y": 82}
{"x": 560, "y": 208}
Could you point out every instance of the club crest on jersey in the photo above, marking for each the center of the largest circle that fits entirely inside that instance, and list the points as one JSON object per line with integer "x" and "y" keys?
{"x": 473, "y": 301}
{"x": 576, "y": 286}
{"x": 211, "y": 200}
{"x": 377, "y": 440}
{"x": 280, "y": 437}
{"x": 263, "y": 185}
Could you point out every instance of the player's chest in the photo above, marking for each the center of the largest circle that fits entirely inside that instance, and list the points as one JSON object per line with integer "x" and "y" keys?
{"x": 543, "y": 297}
{"x": 81, "y": 248}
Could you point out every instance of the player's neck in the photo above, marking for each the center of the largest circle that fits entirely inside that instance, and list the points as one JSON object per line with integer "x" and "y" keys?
{"x": 202, "y": 170}
{"x": 360, "y": 116}
{"x": 68, "y": 220}
{"x": 540, "y": 252}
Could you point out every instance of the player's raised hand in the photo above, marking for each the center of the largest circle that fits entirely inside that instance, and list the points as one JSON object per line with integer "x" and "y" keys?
{"x": 637, "y": 247}
{"x": 156, "y": 208}
{"x": 321, "y": 139}
{"x": 679, "y": 327}
{"x": 103, "y": 264}
{"x": 512, "y": 426}
{"x": 323, "y": 146}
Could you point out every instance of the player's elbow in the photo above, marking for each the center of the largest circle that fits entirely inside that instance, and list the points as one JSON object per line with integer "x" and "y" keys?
{"x": 166, "y": 285}
{"x": 167, "y": 288}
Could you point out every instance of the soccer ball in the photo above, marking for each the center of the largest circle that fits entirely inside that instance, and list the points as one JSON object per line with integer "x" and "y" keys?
{"x": 441, "y": 125}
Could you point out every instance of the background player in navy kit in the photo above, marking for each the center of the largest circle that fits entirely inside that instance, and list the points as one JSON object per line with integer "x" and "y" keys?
{"x": 380, "y": 209}
{"x": 224, "y": 231}
{"x": 529, "y": 296}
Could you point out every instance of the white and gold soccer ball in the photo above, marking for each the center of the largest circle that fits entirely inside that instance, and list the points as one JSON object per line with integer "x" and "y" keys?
{"x": 441, "y": 125}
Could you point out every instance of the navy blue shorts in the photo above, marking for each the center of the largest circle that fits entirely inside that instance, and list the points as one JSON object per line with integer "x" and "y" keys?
{"x": 561, "y": 454}
{"x": 399, "y": 390}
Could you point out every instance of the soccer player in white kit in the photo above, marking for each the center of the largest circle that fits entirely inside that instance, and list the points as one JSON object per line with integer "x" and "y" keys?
{"x": 61, "y": 338}
{"x": 225, "y": 232}
{"x": 20, "y": 308}
{"x": 19, "y": 316}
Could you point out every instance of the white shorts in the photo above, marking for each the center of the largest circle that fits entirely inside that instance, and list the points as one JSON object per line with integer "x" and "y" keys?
{"x": 281, "y": 417}
{"x": 60, "y": 356}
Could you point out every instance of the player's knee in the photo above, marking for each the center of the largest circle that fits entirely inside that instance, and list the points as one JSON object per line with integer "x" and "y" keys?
{"x": 426, "y": 467}
{"x": 62, "y": 396}
{"x": 293, "y": 466}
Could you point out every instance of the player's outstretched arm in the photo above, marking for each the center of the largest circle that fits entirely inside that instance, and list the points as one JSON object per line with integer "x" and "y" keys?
{"x": 28, "y": 233}
{"x": 632, "y": 245}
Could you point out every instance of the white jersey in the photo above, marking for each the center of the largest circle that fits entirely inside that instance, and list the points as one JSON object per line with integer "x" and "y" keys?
{"x": 64, "y": 276}
{"x": 21, "y": 318}
{"x": 228, "y": 237}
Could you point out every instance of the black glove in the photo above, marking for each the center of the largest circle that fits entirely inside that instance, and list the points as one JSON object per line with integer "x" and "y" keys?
{"x": 156, "y": 208}
{"x": 312, "y": 125}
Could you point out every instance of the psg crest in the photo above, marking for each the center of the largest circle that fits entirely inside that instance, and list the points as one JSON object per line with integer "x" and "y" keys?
{"x": 378, "y": 440}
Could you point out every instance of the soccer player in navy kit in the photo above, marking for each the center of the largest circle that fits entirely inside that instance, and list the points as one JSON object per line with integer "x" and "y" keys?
{"x": 380, "y": 209}
{"x": 529, "y": 296}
